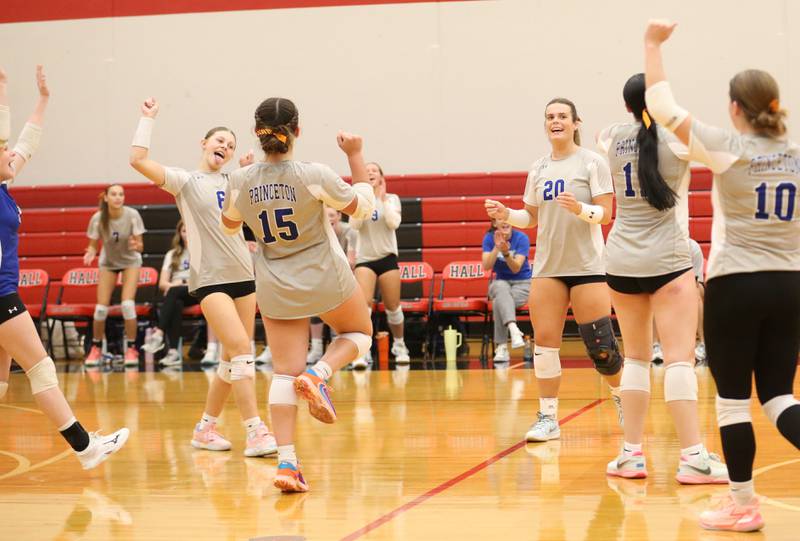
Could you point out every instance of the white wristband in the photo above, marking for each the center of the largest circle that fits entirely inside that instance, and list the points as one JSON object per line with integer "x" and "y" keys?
{"x": 28, "y": 142}
{"x": 662, "y": 106}
{"x": 519, "y": 218}
{"x": 144, "y": 131}
{"x": 591, "y": 213}
{"x": 5, "y": 124}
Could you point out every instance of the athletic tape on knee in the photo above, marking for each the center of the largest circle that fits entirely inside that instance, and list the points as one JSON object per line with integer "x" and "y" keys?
{"x": 281, "y": 391}
{"x": 775, "y": 406}
{"x": 42, "y": 376}
{"x": 100, "y": 312}
{"x": 635, "y": 376}
{"x": 395, "y": 317}
{"x": 680, "y": 382}
{"x": 243, "y": 367}
{"x": 546, "y": 362}
{"x": 731, "y": 411}
{"x": 362, "y": 341}
{"x": 601, "y": 344}
{"x": 128, "y": 309}
{"x": 3, "y": 388}
{"x": 224, "y": 371}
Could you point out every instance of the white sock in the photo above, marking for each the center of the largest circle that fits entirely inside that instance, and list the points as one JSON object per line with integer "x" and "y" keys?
{"x": 253, "y": 347}
{"x": 400, "y": 341}
{"x": 322, "y": 369}
{"x": 251, "y": 425}
{"x": 212, "y": 346}
{"x": 513, "y": 325}
{"x": 316, "y": 344}
{"x": 206, "y": 420}
{"x": 694, "y": 450}
{"x": 631, "y": 448}
{"x": 286, "y": 454}
{"x": 549, "y": 406}
{"x": 742, "y": 492}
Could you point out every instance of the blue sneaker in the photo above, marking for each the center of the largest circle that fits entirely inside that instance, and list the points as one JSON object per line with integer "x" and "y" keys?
{"x": 289, "y": 478}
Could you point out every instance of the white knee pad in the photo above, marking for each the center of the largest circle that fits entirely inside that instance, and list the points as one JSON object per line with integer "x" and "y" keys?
{"x": 635, "y": 376}
{"x": 243, "y": 367}
{"x": 680, "y": 382}
{"x": 546, "y": 362}
{"x": 100, "y": 312}
{"x": 128, "y": 309}
{"x": 775, "y": 406}
{"x": 224, "y": 371}
{"x": 395, "y": 317}
{"x": 362, "y": 341}
{"x": 281, "y": 391}
{"x": 42, "y": 376}
{"x": 732, "y": 412}
{"x": 3, "y": 388}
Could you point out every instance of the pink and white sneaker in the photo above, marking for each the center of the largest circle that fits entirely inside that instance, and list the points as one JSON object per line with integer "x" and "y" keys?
{"x": 94, "y": 357}
{"x": 209, "y": 439}
{"x": 729, "y": 516}
{"x": 131, "y": 357}
{"x": 628, "y": 465}
{"x": 261, "y": 442}
{"x": 702, "y": 469}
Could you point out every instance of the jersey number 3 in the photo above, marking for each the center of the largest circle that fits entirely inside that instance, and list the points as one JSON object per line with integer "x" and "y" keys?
{"x": 286, "y": 228}
{"x": 785, "y": 194}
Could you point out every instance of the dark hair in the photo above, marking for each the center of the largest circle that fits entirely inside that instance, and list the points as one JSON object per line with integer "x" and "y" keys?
{"x": 655, "y": 190}
{"x": 212, "y": 131}
{"x": 178, "y": 247}
{"x": 757, "y": 94}
{"x": 276, "y": 123}
{"x": 103, "y": 204}
{"x": 575, "y": 118}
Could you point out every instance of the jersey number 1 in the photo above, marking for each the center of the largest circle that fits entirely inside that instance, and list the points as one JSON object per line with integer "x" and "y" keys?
{"x": 784, "y": 212}
{"x": 287, "y": 229}
{"x": 628, "y": 170}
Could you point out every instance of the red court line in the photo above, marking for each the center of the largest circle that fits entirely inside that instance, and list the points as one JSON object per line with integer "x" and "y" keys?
{"x": 455, "y": 480}
{"x": 15, "y": 11}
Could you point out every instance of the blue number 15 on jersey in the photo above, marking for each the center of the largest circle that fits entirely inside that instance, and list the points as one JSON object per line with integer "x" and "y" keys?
{"x": 287, "y": 229}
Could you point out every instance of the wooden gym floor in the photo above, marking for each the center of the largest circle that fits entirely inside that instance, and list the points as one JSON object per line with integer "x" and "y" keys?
{"x": 415, "y": 455}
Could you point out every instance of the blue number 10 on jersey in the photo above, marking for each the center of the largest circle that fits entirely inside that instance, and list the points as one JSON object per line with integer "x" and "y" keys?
{"x": 785, "y": 194}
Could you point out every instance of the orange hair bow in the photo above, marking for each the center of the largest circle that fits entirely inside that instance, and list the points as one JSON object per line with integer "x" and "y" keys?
{"x": 269, "y": 131}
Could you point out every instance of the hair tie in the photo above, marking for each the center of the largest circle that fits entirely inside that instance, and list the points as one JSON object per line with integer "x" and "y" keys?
{"x": 646, "y": 119}
{"x": 774, "y": 105}
{"x": 269, "y": 131}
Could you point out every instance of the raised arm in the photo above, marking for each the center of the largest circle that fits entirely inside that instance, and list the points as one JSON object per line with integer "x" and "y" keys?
{"x": 5, "y": 112}
{"x": 31, "y": 134}
{"x": 140, "y": 147}
{"x": 363, "y": 203}
{"x": 661, "y": 103}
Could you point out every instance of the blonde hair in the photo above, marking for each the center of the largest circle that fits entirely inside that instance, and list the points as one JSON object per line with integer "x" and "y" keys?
{"x": 178, "y": 247}
{"x": 758, "y": 96}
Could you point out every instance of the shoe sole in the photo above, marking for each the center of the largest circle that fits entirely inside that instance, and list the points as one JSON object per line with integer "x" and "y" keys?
{"x": 199, "y": 445}
{"x": 752, "y": 528}
{"x": 517, "y": 345}
{"x": 554, "y": 437}
{"x": 628, "y": 475}
{"x": 288, "y": 484}
{"x": 105, "y": 456}
{"x": 272, "y": 451}
{"x": 402, "y": 361}
{"x": 316, "y": 404}
{"x": 699, "y": 480}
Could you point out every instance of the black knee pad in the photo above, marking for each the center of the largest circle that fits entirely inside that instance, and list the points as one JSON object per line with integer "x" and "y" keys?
{"x": 601, "y": 344}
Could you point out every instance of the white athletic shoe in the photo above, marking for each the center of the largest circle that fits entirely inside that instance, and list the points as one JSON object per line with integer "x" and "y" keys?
{"x": 517, "y": 338}
{"x": 101, "y": 447}
{"x": 265, "y": 356}
{"x": 211, "y": 356}
{"x": 314, "y": 355}
{"x": 658, "y": 355}
{"x": 501, "y": 354}
{"x": 702, "y": 469}
{"x": 172, "y": 358}
{"x": 360, "y": 363}
{"x": 400, "y": 352}
{"x": 628, "y": 465}
{"x": 544, "y": 429}
{"x": 700, "y": 353}
{"x": 154, "y": 343}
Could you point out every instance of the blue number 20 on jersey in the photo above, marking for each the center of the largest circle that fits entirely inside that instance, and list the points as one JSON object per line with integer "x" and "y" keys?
{"x": 552, "y": 189}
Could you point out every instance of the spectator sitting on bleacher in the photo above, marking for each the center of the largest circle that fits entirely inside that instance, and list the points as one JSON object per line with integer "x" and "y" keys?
{"x": 505, "y": 251}
{"x": 173, "y": 283}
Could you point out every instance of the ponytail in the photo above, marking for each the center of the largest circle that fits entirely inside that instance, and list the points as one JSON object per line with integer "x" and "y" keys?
{"x": 104, "y": 215}
{"x": 655, "y": 190}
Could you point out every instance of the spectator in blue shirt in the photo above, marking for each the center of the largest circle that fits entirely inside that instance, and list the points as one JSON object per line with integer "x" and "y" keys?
{"x": 505, "y": 251}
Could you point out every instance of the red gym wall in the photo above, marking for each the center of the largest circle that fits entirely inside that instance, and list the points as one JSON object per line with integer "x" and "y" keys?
{"x": 433, "y": 86}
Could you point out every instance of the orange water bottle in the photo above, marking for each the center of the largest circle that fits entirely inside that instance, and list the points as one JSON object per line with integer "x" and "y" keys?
{"x": 382, "y": 338}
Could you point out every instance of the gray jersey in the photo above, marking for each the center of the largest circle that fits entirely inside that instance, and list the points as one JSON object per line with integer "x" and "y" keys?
{"x": 347, "y": 237}
{"x": 214, "y": 257}
{"x": 698, "y": 261}
{"x": 565, "y": 244}
{"x": 376, "y": 239}
{"x": 115, "y": 254}
{"x": 301, "y": 269}
{"x": 645, "y": 241}
{"x": 182, "y": 271}
{"x": 756, "y": 179}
